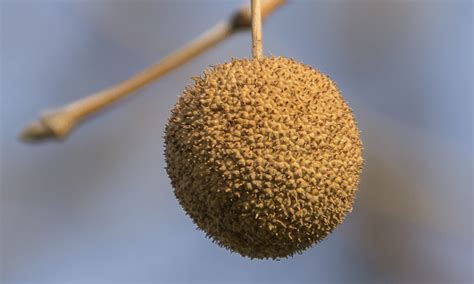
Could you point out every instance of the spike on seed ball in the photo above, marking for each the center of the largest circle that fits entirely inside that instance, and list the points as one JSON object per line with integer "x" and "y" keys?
{"x": 264, "y": 155}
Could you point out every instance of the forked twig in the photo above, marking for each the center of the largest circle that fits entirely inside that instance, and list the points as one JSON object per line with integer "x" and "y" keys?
{"x": 58, "y": 123}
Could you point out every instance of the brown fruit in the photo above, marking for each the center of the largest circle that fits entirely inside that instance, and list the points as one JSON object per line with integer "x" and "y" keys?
{"x": 264, "y": 155}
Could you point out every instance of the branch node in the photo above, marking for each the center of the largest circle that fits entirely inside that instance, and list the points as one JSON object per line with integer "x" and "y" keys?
{"x": 55, "y": 124}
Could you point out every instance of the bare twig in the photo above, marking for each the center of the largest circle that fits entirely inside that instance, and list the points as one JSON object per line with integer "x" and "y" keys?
{"x": 257, "y": 49}
{"x": 58, "y": 123}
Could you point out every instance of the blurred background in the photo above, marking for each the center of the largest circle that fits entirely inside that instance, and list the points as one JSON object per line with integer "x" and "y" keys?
{"x": 99, "y": 208}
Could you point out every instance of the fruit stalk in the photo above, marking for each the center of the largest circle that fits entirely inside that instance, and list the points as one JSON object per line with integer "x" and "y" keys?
{"x": 257, "y": 49}
{"x": 58, "y": 123}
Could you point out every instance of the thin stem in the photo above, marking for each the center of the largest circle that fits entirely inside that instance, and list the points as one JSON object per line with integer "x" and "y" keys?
{"x": 60, "y": 122}
{"x": 256, "y": 30}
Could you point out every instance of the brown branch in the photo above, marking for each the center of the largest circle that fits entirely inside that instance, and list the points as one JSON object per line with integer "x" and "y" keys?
{"x": 58, "y": 123}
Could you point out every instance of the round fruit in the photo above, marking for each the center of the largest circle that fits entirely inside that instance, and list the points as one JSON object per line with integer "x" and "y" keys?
{"x": 264, "y": 155}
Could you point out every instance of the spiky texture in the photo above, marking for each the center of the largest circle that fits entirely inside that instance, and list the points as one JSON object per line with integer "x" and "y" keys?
{"x": 264, "y": 155}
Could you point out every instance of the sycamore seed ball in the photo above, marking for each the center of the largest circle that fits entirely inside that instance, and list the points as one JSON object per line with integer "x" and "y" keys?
{"x": 264, "y": 156}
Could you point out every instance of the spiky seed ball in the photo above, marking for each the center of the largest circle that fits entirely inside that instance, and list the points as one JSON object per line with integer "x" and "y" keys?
{"x": 264, "y": 155}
